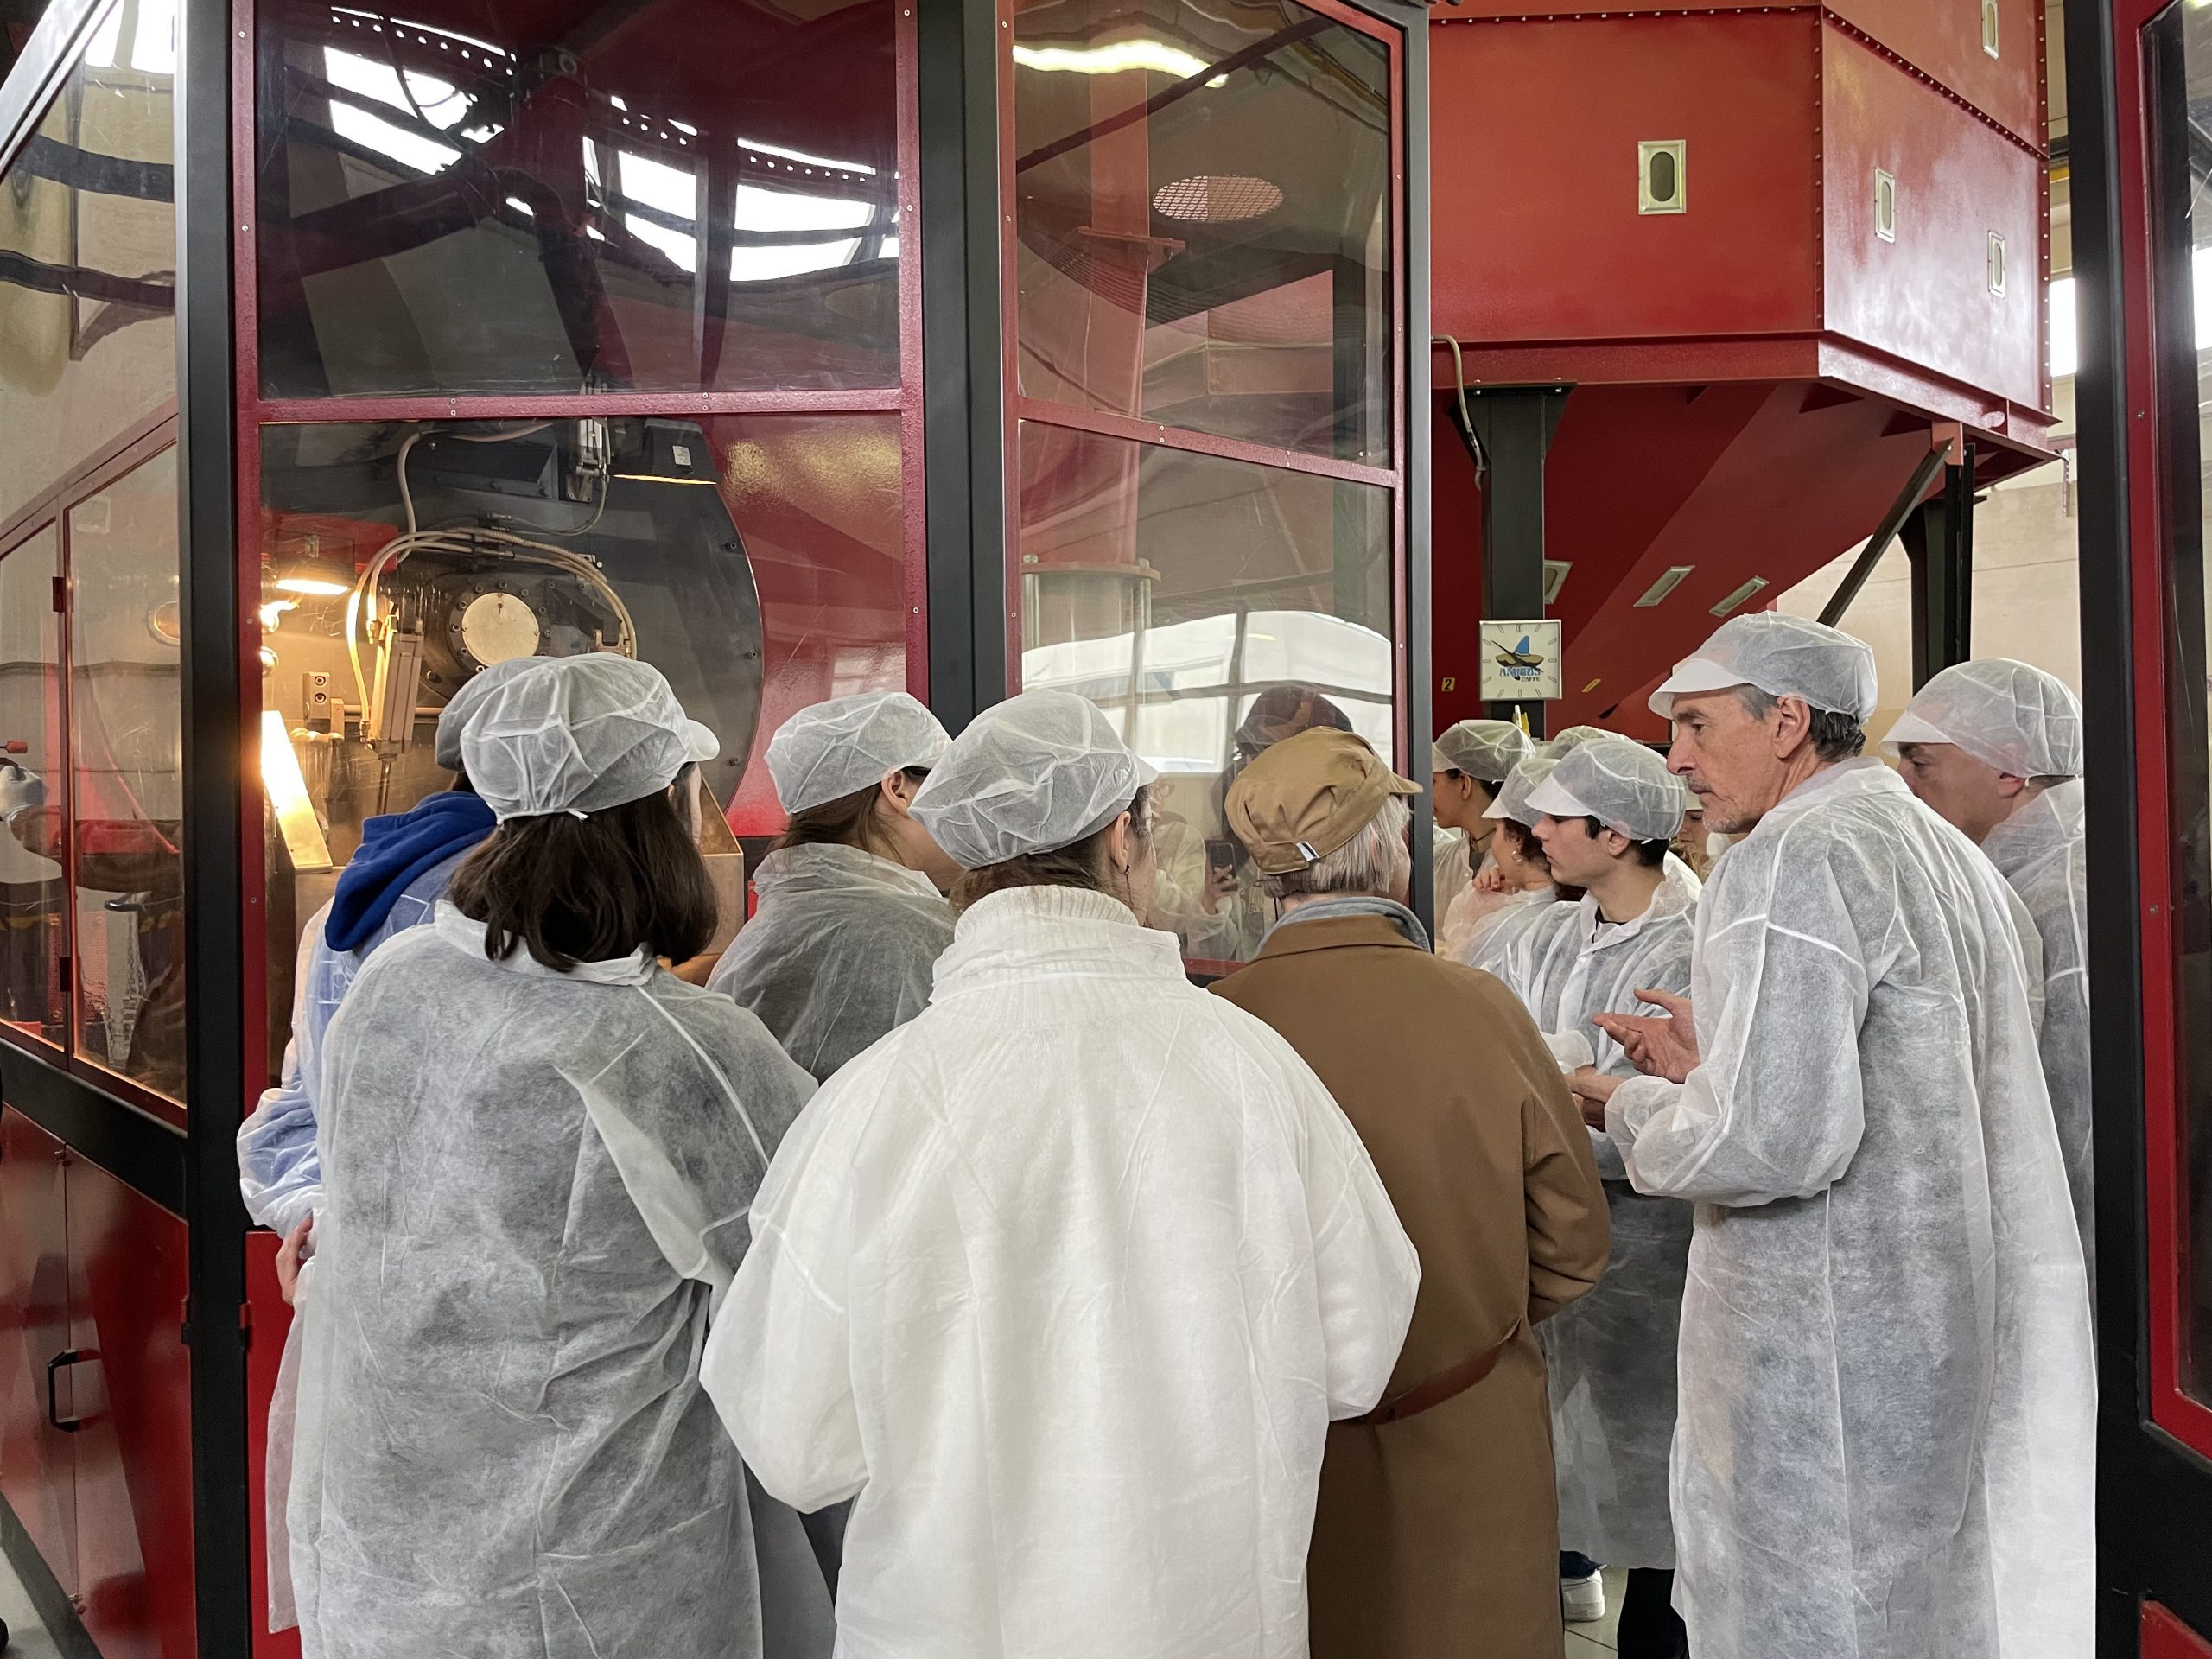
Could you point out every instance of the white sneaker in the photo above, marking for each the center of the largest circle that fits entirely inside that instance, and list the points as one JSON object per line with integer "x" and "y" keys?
{"x": 1583, "y": 1599}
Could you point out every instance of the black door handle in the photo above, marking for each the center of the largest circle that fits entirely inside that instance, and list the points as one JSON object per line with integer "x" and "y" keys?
{"x": 67, "y": 1357}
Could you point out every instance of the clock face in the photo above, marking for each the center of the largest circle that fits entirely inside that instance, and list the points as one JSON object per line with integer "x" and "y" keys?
{"x": 498, "y": 627}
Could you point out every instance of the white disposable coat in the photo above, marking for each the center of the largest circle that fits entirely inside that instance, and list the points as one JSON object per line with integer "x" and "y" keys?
{"x": 1611, "y": 1353}
{"x": 1065, "y": 1280}
{"x": 1521, "y": 923}
{"x": 2042, "y": 851}
{"x": 1454, "y": 874}
{"x": 1886, "y": 1442}
{"x": 535, "y": 1184}
{"x": 839, "y": 953}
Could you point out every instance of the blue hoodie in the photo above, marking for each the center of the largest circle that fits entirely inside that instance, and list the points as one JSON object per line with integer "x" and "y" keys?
{"x": 394, "y": 851}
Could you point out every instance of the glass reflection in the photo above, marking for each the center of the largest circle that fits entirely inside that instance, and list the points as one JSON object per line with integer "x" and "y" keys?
{"x": 1202, "y": 198}
{"x": 1211, "y": 607}
{"x": 88, "y": 257}
{"x": 127, "y": 758}
{"x": 33, "y": 939}
{"x": 481, "y": 198}
{"x": 759, "y": 562}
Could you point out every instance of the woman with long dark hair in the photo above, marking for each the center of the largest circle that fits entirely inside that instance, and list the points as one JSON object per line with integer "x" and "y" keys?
{"x": 539, "y": 1148}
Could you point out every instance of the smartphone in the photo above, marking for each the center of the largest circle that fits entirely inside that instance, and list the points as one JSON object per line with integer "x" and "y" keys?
{"x": 1221, "y": 854}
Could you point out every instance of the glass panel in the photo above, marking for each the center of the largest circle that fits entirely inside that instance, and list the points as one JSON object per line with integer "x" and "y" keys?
{"x": 1211, "y": 607}
{"x": 758, "y": 561}
{"x": 87, "y": 258}
{"x": 127, "y": 756}
{"x": 33, "y": 939}
{"x": 1202, "y": 201}
{"x": 2180, "y": 65}
{"x": 666, "y": 196}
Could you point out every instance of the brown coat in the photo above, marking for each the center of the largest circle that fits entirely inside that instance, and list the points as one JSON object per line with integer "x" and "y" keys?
{"x": 1437, "y": 1536}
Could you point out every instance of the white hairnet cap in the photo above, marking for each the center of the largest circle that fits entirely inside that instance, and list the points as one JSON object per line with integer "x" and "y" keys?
{"x": 1487, "y": 749}
{"x": 2004, "y": 714}
{"x": 464, "y": 705}
{"x": 1782, "y": 655}
{"x": 579, "y": 734}
{"x": 1622, "y": 785}
{"x": 1033, "y": 774}
{"x": 1512, "y": 802}
{"x": 848, "y": 744}
{"x": 1572, "y": 739}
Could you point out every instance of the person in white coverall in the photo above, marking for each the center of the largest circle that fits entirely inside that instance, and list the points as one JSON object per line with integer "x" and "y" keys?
{"x": 1886, "y": 1443}
{"x": 1468, "y": 763}
{"x": 1608, "y": 811}
{"x": 1526, "y": 901}
{"x": 1062, "y": 1281}
{"x": 1995, "y": 747}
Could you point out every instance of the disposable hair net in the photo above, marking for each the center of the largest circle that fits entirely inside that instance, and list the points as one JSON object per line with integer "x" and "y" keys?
{"x": 1571, "y": 740}
{"x": 1488, "y": 749}
{"x": 1512, "y": 801}
{"x": 2004, "y": 714}
{"x": 579, "y": 734}
{"x": 467, "y": 703}
{"x": 1033, "y": 774}
{"x": 1622, "y": 785}
{"x": 824, "y": 753}
{"x": 1782, "y": 655}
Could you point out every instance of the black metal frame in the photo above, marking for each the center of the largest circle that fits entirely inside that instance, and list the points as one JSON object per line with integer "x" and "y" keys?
{"x": 1516, "y": 425}
{"x": 1939, "y": 541}
{"x": 215, "y": 770}
{"x": 2154, "y": 1501}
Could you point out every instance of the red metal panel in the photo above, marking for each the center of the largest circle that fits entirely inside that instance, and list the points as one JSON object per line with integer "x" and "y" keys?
{"x": 270, "y": 1321}
{"x": 1826, "y": 472}
{"x": 1535, "y": 230}
{"x": 2166, "y": 1636}
{"x": 1942, "y": 39}
{"x": 1926, "y": 297}
{"x": 134, "y": 1397}
{"x": 38, "y": 1466}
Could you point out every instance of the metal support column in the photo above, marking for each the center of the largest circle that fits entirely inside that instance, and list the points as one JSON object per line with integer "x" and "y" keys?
{"x": 1939, "y": 540}
{"x": 1515, "y": 426}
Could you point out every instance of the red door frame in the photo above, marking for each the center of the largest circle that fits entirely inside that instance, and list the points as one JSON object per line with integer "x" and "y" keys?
{"x": 2187, "y": 1419}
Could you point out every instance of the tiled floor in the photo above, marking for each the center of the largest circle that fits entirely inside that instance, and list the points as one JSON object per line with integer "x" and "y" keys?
{"x": 1596, "y": 1640}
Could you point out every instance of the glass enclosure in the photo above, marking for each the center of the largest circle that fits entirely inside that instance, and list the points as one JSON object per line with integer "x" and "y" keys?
{"x": 475, "y": 196}
{"x": 92, "y": 890}
{"x": 126, "y": 743}
{"x": 1205, "y": 281}
{"x": 2183, "y": 48}
{"x": 684, "y": 221}
{"x": 35, "y": 940}
{"x": 1202, "y": 201}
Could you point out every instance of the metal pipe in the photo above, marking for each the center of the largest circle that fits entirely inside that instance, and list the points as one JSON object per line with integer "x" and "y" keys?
{"x": 1878, "y": 543}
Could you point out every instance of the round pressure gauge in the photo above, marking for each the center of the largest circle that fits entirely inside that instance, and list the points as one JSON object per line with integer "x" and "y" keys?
{"x": 497, "y": 627}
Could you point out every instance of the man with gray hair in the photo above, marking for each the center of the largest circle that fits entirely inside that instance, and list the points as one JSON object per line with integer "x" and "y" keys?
{"x": 1996, "y": 747}
{"x": 1431, "y": 1534}
{"x": 1886, "y": 1442}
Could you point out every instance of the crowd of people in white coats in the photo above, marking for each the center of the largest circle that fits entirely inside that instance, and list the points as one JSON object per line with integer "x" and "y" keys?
{"x": 947, "y": 1276}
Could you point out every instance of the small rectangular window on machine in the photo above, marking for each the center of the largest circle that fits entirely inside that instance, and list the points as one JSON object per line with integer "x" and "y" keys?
{"x": 1989, "y": 27}
{"x": 1660, "y": 183}
{"x": 1996, "y": 263}
{"x": 1885, "y": 204}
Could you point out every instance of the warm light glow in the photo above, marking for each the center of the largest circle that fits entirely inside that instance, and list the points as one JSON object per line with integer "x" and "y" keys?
{"x": 273, "y": 612}
{"x": 314, "y": 587}
{"x": 1117, "y": 57}
{"x": 287, "y": 788}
